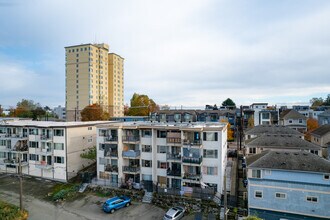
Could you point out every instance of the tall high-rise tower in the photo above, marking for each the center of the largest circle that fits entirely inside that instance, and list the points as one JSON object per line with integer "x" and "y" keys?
{"x": 92, "y": 76}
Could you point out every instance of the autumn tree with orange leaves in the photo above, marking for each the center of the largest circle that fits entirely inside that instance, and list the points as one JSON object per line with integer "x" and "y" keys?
{"x": 312, "y": 124}
{"x": 93, "y": 112}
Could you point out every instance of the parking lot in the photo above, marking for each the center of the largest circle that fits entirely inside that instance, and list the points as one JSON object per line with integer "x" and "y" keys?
{"x": 85, "y": 207}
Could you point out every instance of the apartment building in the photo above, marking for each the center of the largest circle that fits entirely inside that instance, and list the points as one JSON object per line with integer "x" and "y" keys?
{"x": 170, "y": 155}
{"x": 93, "y": 76}
{"x": 46, "y": 149}
{"x": 288, "y": 185}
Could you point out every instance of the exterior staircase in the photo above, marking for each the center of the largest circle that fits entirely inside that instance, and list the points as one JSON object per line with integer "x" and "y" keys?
{"x": 147, "y": 198}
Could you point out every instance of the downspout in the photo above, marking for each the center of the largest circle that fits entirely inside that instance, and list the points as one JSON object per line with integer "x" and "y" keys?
{"x": 66, "y": 154}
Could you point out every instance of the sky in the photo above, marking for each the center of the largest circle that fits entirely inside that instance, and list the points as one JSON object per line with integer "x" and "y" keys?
{"x": 185, "y": 53}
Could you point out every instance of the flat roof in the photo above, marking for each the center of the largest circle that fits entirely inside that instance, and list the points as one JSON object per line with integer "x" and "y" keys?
{"x": 47, "y": 124}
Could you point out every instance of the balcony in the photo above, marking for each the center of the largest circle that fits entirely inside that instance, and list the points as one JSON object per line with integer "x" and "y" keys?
{"x": 173, "y": 140}
{"x": 43, "y": 165}
{"x": 46, "y": 138}
{"x": 131, "y": 153}
{"x": 110, "y": 139}
{"x": 14, "y": 162}
{"x": 46, "y": 151}
{"x": 174, "y": 157}
{"x": 192, "y": 160}
{"x": 192, "y": 142}
{"x": 131, "y": 139}
{"x": 111, "y": 168}
{"x": 174, "y": 173}
{"x": 192, "y": 176}
{"x": 130, "y": 169}
{"x": 111, "y": 153}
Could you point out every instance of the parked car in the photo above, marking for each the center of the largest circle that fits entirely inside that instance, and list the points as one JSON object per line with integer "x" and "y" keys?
{"x": 174, "y": 213}
{"x": 115, "y": 203}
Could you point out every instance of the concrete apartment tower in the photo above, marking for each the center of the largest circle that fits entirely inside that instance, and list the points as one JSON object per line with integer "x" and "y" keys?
{"x": 93, "y": 76}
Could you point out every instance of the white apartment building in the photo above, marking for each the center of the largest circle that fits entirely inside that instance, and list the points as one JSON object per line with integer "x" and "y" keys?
{"x": 47, "y": 149}
{"x": 170, "y": 155}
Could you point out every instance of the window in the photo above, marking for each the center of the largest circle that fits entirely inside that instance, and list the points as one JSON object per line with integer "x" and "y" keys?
{"x": 90, "y": 128}
{"x": 146, "y": 148}
{"x": 280, "y": 195}
{"x": 268, "y": 172}
{"x": 146, "y": 133}
{"x": 210, "y": 136}
{"x": 326, "y": 176}
{"x": 211, "y": 171}
{"x": 311, "y": 198}
{"x": 315, "y": 152}
{"x": 58, "y": 146}
{"x": 258, "y": 194}
{"x": 90, "y": 140}
{"x": 58, "y": 132}
{"x": 161, "y": 149}
{"x": 256, "y": 173}
{"x": 162, "y": 165}
{"x": 290, "y": 121}
{"x": 146, "y": 163}
{"x": 161, "y": 134}
{"x": 300, "y": 121}
{"x": 210, "y": 153}
{"x": 34, "y": 157}
{"x": 33, "y": 144}
{"x": 252, "y": 150}
{"x": 58, "y": 159}
{"x": 33, "y": 131}
{"x": 3, "y": 154}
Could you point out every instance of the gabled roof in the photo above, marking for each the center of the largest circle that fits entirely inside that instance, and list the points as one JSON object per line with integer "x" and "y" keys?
{"x": 272, "y": 129}
{"x": 294, "y": 161}
{"x": 324, "y": 129}
{"x": 291, "y": 114}
{"x": 282, "y": 141}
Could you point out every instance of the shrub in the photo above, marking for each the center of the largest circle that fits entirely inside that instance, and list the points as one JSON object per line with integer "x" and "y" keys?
{"x": 12, "y": 212}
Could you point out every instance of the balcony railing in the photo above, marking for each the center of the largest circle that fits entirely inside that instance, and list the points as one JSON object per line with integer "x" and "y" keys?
{"x": 173, "y": 140}
{"x": 111, "y": 168}
{"x": 45, "y": 137}
{"x": 110, "y": 153}
{"x": 192, "y": 142}
{"x": 192, "y": 176}
{"x": 43, "y": 165}
{"x": 131, "y": 153}
{"x": 130, "y": 169}
{"x": 111, "y": 139}
{"x": 176, "y": 157}
{"x": 131, "y": 138}
{"x": 174, "y": 173}
{"x": 193, "y": 160}
{"x": 15, "y": 162}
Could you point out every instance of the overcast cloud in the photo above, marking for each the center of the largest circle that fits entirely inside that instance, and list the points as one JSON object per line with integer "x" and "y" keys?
{"x": 188, "y": 53}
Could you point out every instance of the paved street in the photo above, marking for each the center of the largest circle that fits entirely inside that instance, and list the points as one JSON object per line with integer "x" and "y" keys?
{"x": 88, "y": 207}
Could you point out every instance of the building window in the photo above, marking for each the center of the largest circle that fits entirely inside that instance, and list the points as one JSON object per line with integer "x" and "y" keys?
{"x": 90, "y": 140}
{"x": 268, "y": 172}
{"x": 146, "y": 163}
{"x": 58, "y": 159}
{"x": 33, "y": 144}
{"x": 252, "y": 150}
{"x": 90, "y": 128}
{"x": 326, "y": 176}
{"x": 146, "y": 133}
{"x": 256, "y": 173}
{"x": 258, "y": 194}
{"x": 58, "y": 132}
{"x": 210, "y": 136}
{"x": 58, "y": 146}
{"x": 162, "y": 165}
{"x": 34, "y": 157}
{"x": 280, "y": 195}
{"x": 33, "y": 131}
{"x": 161, "y": 149}
{"x": 146, "y": 148}
{"x": 311, "y": 198}
{"x": 211, "y": 170}
{"x": 210, "y": 153}
{"x": 161, "y": 134}
{"x": 290, "y": 121}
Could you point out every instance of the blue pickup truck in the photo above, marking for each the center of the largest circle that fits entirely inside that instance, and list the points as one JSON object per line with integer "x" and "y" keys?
{"x": 115, "y": 203}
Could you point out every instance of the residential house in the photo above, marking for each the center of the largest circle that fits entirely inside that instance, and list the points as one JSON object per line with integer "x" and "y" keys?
{"x": 324, "y": 118}
{"x": 46, "y": 149}
{"x": 288, "y": 185}
{"x": 294, "y": 120}
{"x": 271, "y": 129}
{"x": 321, "y": 136}
{"x": 60, "y": 112}
{"x": 170, "y": 155}
{"x": 282, "y": 142}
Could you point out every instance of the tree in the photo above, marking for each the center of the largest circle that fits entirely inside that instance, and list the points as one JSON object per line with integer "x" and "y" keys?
{"x": 251, "y": 122}
{"x": 312, "y": 124}
{"x": 1, "y": 111}
{"x": 27, "y": 109}
{"x": 316, "y": 101}
{"x": 230, "y": 132}
{"x": 229, "y": 103}
{"x": 165, "y": 107}
{"x": 252, "y": 218}
{"x": 90, "y": 154}
{"x": 93, "y": 112}
{"x": 142, "y": 105}
{"x": 327, "y": 101}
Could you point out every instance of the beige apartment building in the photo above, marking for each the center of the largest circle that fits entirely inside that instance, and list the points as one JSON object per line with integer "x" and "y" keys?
{"x": 93, "y": 75}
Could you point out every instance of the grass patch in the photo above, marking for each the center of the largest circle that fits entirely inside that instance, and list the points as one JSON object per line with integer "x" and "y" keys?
{"x": 63, "y": 191}
{"x": 12, "y": 212}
